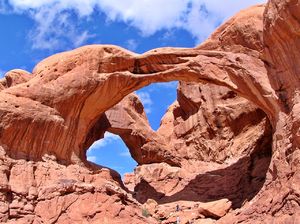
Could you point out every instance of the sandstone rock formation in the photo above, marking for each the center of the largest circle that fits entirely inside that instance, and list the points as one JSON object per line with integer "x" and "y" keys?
{"x": 49, "y": 119}
{"x": 212, "y": 124}
{"x": 14, "y": 77}
{"x": 222, "y": 141}
{"x": 47, "y": 192}
{"x": 188, "y": 210}
{"x": 128, "y": 120}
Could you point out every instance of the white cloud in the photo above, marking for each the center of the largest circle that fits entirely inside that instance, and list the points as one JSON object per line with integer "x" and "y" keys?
{"x": 148, "y": 16}
{"x": 82, "y": 7}
{"x": 168, "y": 85}
{"x": 108, "y": 139}
{"x": 146, "y": 100}
{"x": 2, "y": 73}
{"x": 55, "y": 25}
{"x": 55, "y": 28}
{"x": 131, "y": 44}
{"x": 4, "y": 8}
{"x": 82, "y": 38}
{"x": 125, "y": 154}
{"x": 148, "y": 110}
{"x": 53, "y": 17}
{"x": 92, "y": 159}
{"x": 199, "y": 17}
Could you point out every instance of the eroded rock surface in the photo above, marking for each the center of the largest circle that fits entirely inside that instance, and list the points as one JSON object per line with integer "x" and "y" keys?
{"x": 212, "y": 144}
{"x": 47, "y": 192}
{"x": 212, "y": 124}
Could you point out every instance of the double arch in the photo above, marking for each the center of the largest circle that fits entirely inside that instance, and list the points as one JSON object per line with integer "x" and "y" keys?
{"x": 80, "y": 85}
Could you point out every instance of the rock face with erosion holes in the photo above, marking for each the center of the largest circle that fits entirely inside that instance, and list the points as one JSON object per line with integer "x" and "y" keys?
{"x": 227, "y": 150}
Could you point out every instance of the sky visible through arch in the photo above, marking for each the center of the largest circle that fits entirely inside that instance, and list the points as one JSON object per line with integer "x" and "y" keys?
{"x": 34, "y": 29}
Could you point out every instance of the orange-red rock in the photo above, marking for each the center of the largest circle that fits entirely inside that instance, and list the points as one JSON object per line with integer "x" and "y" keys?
{"x": 47, "y": 192}
{"x": 14, "y": 77}
{"x": 214, "y": 144}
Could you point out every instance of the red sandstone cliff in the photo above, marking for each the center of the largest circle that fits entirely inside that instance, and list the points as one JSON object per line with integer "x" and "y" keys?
{"x": 226, "y": 154}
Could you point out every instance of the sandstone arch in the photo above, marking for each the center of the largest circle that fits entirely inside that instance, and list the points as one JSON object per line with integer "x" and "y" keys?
{"x": 70, "y": 85}
{"x": 61, "y": 100}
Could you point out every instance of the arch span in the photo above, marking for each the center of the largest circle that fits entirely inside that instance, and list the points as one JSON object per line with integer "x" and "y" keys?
{"x": 77, "y": 87}
{"x": 53, "y": 111}
{"x": 70, "y": 91}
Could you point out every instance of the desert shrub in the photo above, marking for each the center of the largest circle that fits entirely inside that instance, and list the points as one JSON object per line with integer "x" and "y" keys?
{"x": 145, "y": 212}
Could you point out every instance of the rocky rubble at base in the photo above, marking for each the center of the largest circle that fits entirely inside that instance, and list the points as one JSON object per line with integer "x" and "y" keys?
{"x": 187, "y": 211}
{"x": 46, "y": 192}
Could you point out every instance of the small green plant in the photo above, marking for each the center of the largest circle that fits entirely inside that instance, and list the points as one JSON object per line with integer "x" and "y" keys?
{"x": 145, "y": 212}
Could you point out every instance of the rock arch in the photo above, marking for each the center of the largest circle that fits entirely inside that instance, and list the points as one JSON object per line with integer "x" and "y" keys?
{"x": 52, "y": 112}
{"x": 77, "y": 87}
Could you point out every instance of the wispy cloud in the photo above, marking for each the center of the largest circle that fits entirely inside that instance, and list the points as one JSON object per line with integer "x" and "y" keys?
{"x": 108, "y": 139}
{"x": 4, "y": 7}
{"x": 55, "y": 18}
{"x": 92, "y": 159}
{"x": 2, "y": 73}
{"x": 131, "y": 44}
{"x": 146, "y": 100}
{"x": 168, "y": 85}
{"x": 55, "y": 29}
{"x": 56, "y": 24}
{"x": 82, "y": 38}
{"x": 125, "y": 154}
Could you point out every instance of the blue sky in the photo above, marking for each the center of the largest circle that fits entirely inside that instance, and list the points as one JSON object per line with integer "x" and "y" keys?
{"x": 34, "y": 29}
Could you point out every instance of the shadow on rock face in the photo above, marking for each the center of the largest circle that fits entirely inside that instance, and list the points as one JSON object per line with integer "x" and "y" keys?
{"x": 239, "y": 182}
